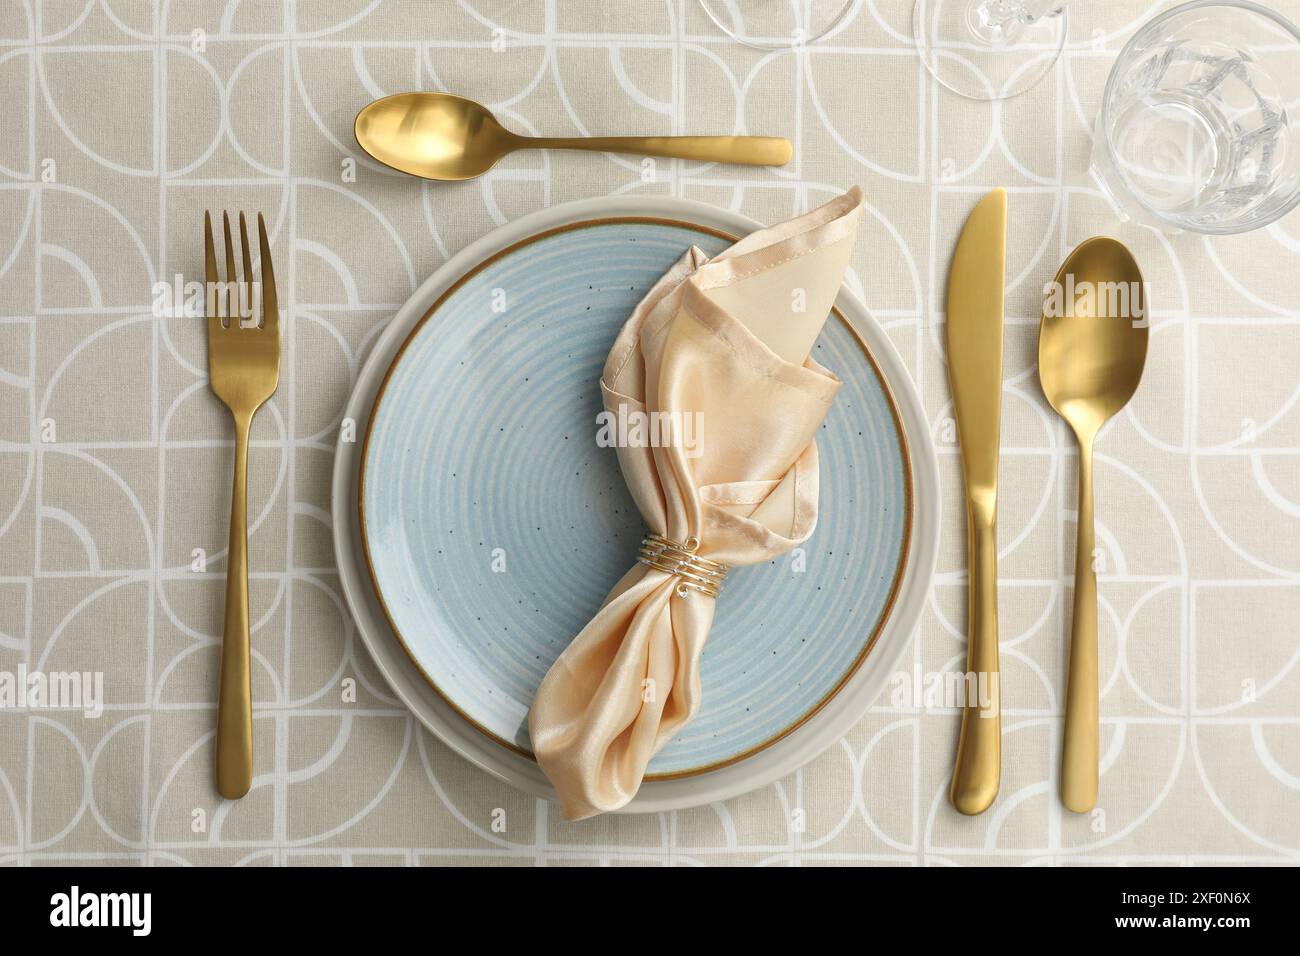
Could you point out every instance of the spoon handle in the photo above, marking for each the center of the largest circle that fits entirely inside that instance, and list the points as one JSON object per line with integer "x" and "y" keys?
{"x": 1079, "y": 755}
{"x": 741, "y": 150}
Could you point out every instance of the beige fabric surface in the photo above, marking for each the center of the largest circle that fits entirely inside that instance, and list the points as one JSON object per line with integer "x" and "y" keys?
{"x": 122, "y": 122}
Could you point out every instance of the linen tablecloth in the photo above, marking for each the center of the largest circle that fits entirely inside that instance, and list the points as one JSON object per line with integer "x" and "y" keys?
{"x": 125, "y": 119}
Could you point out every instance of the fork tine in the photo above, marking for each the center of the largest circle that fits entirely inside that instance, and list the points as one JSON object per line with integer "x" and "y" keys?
{"x": 270, "y": 307}
{"x": 232, "y": 307}
{"x": 246, "y": 286}
{"x": 211, "y": 302}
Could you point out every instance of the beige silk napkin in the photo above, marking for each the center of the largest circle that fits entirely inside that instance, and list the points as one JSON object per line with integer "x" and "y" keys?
{"x": 729, "y": 339}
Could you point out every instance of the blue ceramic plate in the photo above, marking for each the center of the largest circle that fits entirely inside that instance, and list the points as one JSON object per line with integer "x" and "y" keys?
{"x": 493, "y": 525}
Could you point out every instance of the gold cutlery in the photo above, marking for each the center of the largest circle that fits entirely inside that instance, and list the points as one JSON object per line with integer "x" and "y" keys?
{"x": 244, "y": 365}
{"x": 1092, "y": 346}
{"x": 975, "y": 375}
{"x": 442, "y": 136}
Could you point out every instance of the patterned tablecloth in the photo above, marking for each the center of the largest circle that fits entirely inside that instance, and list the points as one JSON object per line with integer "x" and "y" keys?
{"x": 123, "y": 120}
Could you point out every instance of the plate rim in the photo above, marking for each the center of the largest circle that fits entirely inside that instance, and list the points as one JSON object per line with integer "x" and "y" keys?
{"x": 818, "y": 733}
{"x": 863, "y": 651}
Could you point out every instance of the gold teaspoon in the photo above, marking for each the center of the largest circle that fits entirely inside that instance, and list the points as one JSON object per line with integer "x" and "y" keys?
{"x": 1092, "y": 346}
{"x": 442, "y": 136}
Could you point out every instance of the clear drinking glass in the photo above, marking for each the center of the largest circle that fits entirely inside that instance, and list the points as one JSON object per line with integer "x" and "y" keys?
{"x": 1198, "y": 127}
{"x": 776, "y": 24}
{"x": 989, "y": 49}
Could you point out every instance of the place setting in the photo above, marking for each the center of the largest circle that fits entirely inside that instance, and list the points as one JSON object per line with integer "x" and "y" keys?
{"x": 715, "y": 433}
{"x": 644, "y": 510}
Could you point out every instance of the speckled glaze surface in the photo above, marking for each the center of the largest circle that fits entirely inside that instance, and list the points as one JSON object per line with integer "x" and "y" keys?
{"x": 494, "y": 524}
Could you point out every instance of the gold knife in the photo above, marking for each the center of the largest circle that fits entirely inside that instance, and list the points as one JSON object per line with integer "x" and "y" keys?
{"x": 975, "y": 283}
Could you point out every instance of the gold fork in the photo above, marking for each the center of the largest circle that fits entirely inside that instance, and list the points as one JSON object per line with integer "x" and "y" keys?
{"x": 244, "y": 365}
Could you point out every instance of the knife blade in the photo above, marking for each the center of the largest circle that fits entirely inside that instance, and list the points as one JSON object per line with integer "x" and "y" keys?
{"x": 974, "y": 340}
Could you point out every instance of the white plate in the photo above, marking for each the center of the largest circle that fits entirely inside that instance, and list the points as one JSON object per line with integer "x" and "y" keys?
{"x": 822, "y": 729}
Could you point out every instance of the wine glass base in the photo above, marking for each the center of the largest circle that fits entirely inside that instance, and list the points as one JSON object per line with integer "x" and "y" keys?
{"x": 975, "y": 67}
{"x": 777, "y": 24}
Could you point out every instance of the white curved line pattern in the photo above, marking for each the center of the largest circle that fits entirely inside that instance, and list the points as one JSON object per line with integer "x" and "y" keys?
{"x": 82, "y": 534}
{"x": 95, "y": 298}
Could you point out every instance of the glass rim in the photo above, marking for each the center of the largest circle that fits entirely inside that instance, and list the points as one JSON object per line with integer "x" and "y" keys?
{"x": 1247, "y": 5}
{"x": 761, "y": 44}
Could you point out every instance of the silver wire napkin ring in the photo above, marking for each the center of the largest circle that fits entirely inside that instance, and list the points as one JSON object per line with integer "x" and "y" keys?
{"x": 679, "y": 558}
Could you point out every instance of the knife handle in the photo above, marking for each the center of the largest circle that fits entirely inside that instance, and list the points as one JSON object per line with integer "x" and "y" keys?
{"x": 979, "y": 749}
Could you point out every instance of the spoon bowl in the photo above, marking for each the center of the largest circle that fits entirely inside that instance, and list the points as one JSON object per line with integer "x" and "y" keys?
{"x": 1092, "y": 343}
{"x": 1092, "y": 346}
{"x": 433, "y": 135}
{"x": 447, "y": 137}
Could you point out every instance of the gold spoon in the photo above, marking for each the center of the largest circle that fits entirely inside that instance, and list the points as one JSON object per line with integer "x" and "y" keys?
{"x": 1092, "y": 345}
{"x": 441, "y": 136}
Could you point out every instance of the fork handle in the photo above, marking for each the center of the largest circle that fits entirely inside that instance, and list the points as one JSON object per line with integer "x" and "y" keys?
{"x": 235, "y": 695}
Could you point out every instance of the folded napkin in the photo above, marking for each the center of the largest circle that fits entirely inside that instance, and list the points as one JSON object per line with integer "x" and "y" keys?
{"x": 726, "y": 342}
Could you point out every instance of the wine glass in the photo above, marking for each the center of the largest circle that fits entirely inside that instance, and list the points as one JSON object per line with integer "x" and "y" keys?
{"x": 989, "y": 49}
{"x": 776, "y": 24}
